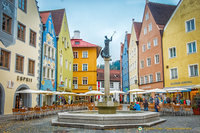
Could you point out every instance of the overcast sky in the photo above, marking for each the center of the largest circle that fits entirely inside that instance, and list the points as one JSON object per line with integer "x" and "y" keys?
{"x": 97, "y": 18}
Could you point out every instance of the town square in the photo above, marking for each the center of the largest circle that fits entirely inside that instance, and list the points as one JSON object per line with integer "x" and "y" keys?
{"x": 73, "y": 66}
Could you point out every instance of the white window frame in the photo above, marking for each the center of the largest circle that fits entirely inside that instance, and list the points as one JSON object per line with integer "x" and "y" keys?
{"x": 150, "y": 78}
{"x": 77, "y": 54}
{"x": 190, "y": 72}
{"x": 82, "y": 80}
{"x": 148, "y": 65}
{"x": 190, "y": 25}
{"x": 170, "y": 54}
{"x": 66, "y": 64}
{"x": 145, "y": 30}
{"x": 76, "y": 67}
{"x": 171, "y": 73}
{"x": 70, "y": 84}
{"x": 83, "y": 65}
{"x": 192, "y": 47}
{"x": 141, "y": 79}
{"x": 111, "y": 85}
{"x": 141, "y": 66}
{"x": 147, "y": 16}
{"x": 155, "y": 61}
{"x": 150, "y": 27}
{"x": 45, "y": 73}
{"x": 61, "y": 60}
{"x": 143, "y": 48}
{"x": 83, "y": 54}
{"x": 70, "y": 66}
{"x": 66, "y": 82}
{"x": 157, "y": 76}
{"x": 76, "y": 80}
{"x": 146, "y": 80}
{"x": 149, "y": 45}
{"x": 155, "y": 42}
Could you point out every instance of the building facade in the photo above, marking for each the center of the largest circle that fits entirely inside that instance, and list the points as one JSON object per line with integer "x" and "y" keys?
{"x": 125, "y": 69}
{"x": 20, "y": 49}
{"x": 85, "y": 64}
{"x": 150, "y": 62}
{"x": 180, "y": 47}
{"x": 49, "y": 59}
{"x": 114, "y": 81}
{"x": 133, "y": 56}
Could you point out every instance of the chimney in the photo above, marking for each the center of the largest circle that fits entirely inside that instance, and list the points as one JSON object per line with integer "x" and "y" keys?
{"x": 133, "y": 20}
{"x": 76, "y": 34}
{"x": 147, "y": 1}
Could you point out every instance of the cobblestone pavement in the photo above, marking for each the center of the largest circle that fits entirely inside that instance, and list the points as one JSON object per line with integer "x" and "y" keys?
{"x": 174, "y": 124}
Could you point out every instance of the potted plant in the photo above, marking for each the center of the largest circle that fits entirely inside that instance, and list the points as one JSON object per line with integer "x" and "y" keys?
{"x": 196, "y": 105}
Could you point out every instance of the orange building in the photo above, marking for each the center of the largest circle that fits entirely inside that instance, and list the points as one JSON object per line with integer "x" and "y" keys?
{"x": 85, "y": 64}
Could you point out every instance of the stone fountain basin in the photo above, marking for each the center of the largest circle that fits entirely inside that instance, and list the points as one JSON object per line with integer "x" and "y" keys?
{"x": 93, "y": 120}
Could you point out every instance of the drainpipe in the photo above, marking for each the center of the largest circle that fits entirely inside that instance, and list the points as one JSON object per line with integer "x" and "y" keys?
{"x": 161, "y": 33}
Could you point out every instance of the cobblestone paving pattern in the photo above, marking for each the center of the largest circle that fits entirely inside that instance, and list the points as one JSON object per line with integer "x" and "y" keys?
{"x": 174, "y": 124}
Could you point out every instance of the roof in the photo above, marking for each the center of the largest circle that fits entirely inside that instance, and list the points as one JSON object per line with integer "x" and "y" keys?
{"x": 128, "y": 39}
{"x": 114, "y": 75}
{"x": 84, "y": 44}
{"x": 57, "y": 17}
{"x": 137, "y": 27}
{"x": 122, "y": 48}
{"x": 161, "y": 12}
{"x": 44, "y": 16}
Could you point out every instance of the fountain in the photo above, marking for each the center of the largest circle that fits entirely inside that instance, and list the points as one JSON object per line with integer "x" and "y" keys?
{"x": 107, "y": 116}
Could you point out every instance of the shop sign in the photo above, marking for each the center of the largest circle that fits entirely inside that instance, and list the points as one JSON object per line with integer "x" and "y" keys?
{"x": 24, "y": 79}
{"x": 43, "y": 82}
{"x": 183, "y": 82}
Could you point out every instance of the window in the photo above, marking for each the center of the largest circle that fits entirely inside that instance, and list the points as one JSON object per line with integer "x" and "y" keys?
{"x": 155, "y": 41}
{"x": 77, "y": 42}
{"x": 7, "y": 24}
{"x": 141, "y": 80}
{"x": 158, "y": 77}
{"x": 111, "y": 85}
{"x": 21, "y": 32}
{"x": 142, "y": 64}
{"x": 44, "y": 72}
{"x": 66, "y": 82}
{"x": 145, "y": 30}
{"x": 66, "y": 64}
{"x": 5, "y": 59}
{"x": 48, "y": 73}
{"x": 61, "y": 78}
{"x": 173, "y": 73}
{"x": 22, "y": 5}
{"x": 70, "y": 66}
{"x": 19, "y": 64}
{"x": 147, "y": 16}
{"x": 75, "y": 55}
{"x": 150, "y": 27}
{"x": 85, "y": 54}
{"x": 61, "y": 60}
{"x": 70, "y": 84}
{"x": 75, "y": 67}
{"x": 148, "y": 61}
{"x": 85, "y": 67}
{"x": 31, "y": 67}
{"x": 146, "y": 80}
{"x": 156, "y": 59}
{"x": 191, "y": 47}
{"x": 75, "y": 80}
{"x": 32, "y": 38}
{"x": 190, "y": 25}
{"x": 150, "y": 78}
{"x": 172, "y": 52}
{"x": 144, "y": 48}
{"x": 49, "y": 52}
{"x": 53, "y": 53}
{"x": 45, "y": 49}
{"x": 84, "y": 81}
{"x": 148, "y": 45}
{"x": 52, "y": 73}
{"x": 193, "y": 69}
{"x": 102, "y": 84}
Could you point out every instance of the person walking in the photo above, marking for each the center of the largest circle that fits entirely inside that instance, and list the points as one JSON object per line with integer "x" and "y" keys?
{"x": 156, "y": 103}
{"x": 145, "y": 103}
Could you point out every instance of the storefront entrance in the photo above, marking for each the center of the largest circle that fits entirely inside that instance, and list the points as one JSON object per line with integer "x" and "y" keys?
{"x": 2, "y": 100}
{"x": 22, "y": 99}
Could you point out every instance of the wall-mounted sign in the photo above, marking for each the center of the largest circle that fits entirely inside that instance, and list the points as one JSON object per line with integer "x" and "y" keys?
{"x": 24, "y": 79}
{"x": 43, "y": 82}
{"x": 183, "y": 82}
{"x": 10, "y": 84}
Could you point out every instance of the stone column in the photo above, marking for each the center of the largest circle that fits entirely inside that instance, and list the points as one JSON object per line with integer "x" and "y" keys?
{"x": 107, "y": 77}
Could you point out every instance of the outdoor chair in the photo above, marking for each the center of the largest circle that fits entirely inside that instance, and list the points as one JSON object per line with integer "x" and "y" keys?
{"x": 151, "y": 108}
{"x": 187, "y": 110}
{"x": 176, "y": 109}
{"x": 23, "y": 113}
{"x": 16, "y": 113}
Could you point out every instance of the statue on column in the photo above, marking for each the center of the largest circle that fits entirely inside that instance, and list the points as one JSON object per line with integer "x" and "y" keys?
{"x": 105, "y": 52}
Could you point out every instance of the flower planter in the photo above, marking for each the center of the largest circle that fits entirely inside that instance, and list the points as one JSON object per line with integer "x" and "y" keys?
{"x": 196, "y": 111}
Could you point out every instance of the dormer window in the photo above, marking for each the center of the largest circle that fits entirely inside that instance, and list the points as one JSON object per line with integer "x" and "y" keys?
{"x": 77, "y": 42}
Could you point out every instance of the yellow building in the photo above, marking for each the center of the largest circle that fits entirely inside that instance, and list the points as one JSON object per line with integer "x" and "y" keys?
{"x": 20, "y": 47}
{"x": 133, "y": 56}
{"x": 85, "y": 64}
{"x": 181, "y": 46}
{"x": 64, "y": 50}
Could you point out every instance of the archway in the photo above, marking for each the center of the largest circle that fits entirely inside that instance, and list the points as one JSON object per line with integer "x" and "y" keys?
{"x": 2, "y": 99}
{"x": 22, "y": 99}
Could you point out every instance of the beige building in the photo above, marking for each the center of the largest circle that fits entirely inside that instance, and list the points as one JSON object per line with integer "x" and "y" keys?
{"x": 20, "y": 48}
{"x": 133, "y": 56}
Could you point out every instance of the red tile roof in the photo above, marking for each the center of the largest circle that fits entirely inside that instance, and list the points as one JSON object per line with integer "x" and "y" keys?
{"x": 161, "y": 12}
{"x": 44, "y": 16}
{"x": 128, "y": 39}
{"x": 57, "y": 16}
{"x": 137, "y": 26}
{"x": 84, "y": 44}
{"x": 114, "y": 75}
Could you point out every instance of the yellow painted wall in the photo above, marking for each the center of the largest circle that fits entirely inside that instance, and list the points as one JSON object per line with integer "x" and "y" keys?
{"x": 175, "y": 35}
{"x": 30, "y": 19}
{"x": 67, "y": 55}
{"x": 92, "y": 69}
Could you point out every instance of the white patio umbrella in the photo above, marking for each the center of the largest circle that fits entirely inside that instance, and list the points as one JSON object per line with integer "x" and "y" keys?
{"x": 81, "y": 94}
{"x": 175, "y": 89}
{"x": 157, "y": 90}
{"x": 29, "y": 91}
{"x": 136, "y": 90}
{"x": 118, "y": 92}
{"x": 91, "y": 93}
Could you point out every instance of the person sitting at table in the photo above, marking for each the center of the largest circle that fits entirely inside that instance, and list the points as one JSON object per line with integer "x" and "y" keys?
{"x": 137, "y": 107}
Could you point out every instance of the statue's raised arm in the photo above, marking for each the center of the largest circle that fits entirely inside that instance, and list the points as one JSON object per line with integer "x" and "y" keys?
{"x": 105, "y": 53}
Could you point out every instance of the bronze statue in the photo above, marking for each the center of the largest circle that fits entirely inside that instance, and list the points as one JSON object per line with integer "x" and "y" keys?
{"x": 105, "y": 52}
